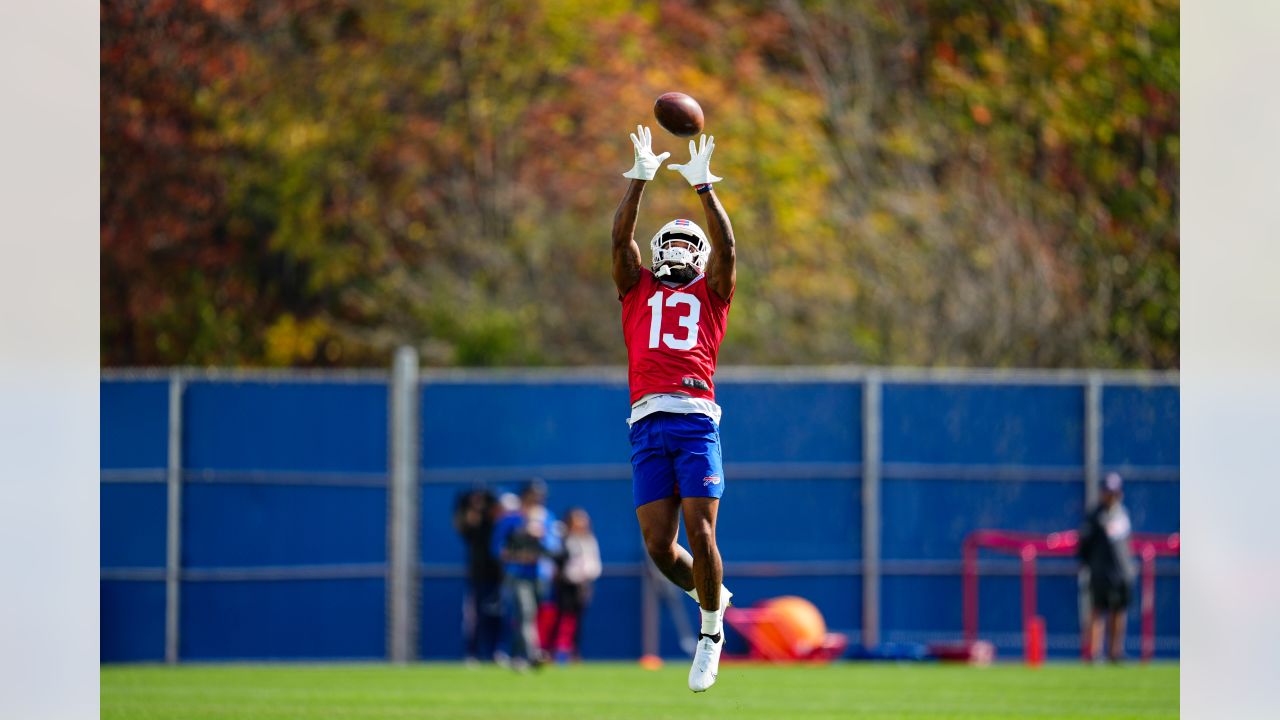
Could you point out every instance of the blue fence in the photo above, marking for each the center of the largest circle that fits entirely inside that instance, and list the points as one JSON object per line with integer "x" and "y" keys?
{"x": 284, "y": 500}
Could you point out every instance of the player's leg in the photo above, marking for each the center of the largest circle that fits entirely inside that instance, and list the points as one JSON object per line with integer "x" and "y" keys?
{"x": 653, "y": 485}
{"x": 708, "y": 570}
{"x": 700, "y": 473}
{"x": 701, "y": 477}
{"x": 666, "y": 450}
{"x": 659, "y": 522}
{"x": 708, "y": 573}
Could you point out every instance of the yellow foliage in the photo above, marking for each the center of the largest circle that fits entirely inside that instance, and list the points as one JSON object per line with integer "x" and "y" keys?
{"x": 290, "y": 342}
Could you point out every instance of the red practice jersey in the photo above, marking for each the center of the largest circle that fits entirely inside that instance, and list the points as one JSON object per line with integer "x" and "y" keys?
{"x": 673, "y": 336}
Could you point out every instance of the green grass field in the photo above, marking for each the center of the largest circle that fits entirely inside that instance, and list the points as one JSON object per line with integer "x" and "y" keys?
{"x": 609, "y": 690}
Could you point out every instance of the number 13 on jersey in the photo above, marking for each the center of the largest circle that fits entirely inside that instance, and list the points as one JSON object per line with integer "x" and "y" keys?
{"x": 688, "y": 320}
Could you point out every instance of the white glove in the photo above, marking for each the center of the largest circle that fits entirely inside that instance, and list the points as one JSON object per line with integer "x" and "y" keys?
{"x": 698, "y": 170}
{"x": 647, "y": 163}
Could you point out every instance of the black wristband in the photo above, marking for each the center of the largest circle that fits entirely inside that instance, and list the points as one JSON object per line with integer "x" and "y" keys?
{"x": 703, "y": 189}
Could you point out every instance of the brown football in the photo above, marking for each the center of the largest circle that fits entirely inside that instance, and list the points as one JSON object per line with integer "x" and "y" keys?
{"x": 680, "y": 114}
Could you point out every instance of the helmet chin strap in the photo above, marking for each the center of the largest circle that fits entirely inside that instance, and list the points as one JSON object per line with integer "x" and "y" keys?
{"x": 663, "y": 271}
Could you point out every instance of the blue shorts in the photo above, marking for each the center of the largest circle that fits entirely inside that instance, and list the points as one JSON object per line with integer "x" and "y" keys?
{"x": 675, "y": 454}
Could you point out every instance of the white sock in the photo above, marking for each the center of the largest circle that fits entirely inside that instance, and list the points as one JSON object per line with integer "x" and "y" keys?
{"x": 724, "y": 595}
{"x": 710, "y": 622}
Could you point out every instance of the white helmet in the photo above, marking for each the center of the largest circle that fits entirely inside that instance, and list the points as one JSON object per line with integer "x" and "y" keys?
{"x": 685, "y": 230}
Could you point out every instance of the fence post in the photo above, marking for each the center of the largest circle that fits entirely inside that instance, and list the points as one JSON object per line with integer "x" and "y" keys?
{"x": 402, "y": 499}
{"x": 1092, "y": 439}
{"x": 1148, "y": 602}
{"x": 969, "y": 587}
{"x": 1092, "y": 476}
{"x": 173, "y": 525}
{"x": 871, "y": 509}
{"x": 650, "y": 617}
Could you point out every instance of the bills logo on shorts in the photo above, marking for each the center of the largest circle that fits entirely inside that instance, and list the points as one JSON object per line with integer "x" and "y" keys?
{"x": 711, "y": 480}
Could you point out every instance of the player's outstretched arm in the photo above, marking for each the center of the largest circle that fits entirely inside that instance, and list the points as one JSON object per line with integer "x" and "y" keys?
{"x": 722, "y": 266}
{"x": 626, "y": 254}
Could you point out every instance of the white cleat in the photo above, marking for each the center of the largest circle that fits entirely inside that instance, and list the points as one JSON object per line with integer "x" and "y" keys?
{"x": 706, "y": 663}
{"x": 706, "y": 659}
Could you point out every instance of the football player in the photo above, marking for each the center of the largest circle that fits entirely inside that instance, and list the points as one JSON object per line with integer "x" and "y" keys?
{"x": 674, "y": 313}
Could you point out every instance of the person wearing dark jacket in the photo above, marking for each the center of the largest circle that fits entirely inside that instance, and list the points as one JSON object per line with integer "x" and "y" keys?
{"x": 1107, "y": 559}
{"x": 473, "y": 517}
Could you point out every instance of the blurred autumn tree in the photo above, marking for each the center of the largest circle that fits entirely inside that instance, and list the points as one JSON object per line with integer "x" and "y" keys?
{"x": 164, "y": 258}
{"x": 313, "y": 182}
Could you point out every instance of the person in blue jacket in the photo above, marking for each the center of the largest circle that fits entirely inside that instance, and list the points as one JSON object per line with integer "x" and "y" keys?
{"x": 523, "y": 540}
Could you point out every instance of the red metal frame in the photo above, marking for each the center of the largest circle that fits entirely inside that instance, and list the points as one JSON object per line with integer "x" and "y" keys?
{"x": 1029, "y": 546}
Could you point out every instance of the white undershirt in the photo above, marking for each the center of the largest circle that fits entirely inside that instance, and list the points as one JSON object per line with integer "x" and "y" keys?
{"x": 673, "y": 403}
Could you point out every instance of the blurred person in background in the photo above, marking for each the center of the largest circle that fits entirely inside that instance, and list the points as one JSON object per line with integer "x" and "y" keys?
{"x": 522, "y": 540}
{"x": 1107, "y": 559}
{"x": 578, "y": 566}
{"x": 508, "y": 506}
{"x": 474, "y": 517}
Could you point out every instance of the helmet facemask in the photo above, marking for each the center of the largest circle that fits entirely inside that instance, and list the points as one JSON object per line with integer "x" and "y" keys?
{"x": 680, "y": 252}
